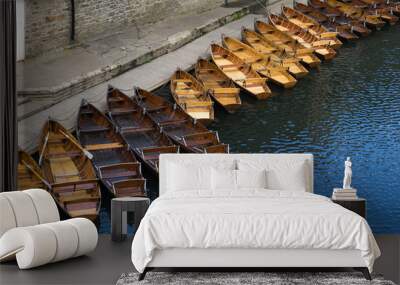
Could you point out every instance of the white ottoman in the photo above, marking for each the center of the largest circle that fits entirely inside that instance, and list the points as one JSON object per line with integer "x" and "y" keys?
{"x": 31, "y": 232}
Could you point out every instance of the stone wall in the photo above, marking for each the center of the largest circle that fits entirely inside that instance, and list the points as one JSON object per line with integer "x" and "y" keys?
{"x": 47, "y": 25}
{"x": 48, "y": 21}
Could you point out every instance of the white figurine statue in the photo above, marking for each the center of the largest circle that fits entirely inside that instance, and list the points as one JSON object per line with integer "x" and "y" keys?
{"x": 347, "y": 174}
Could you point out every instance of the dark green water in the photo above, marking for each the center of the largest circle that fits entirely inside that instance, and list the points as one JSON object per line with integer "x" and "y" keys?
{"x": 350, "y": 107}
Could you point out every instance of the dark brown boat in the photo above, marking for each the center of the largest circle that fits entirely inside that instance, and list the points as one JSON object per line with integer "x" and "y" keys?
{"x": 344, "y": 31}
{"x": 29, "y": 173}
{"x": 115, "y": 164}
{"x": 143, "y": 136}
{"x": 339, "y": 17}
{"x": 69, "y": 171}
{"x": 182, "y": 129}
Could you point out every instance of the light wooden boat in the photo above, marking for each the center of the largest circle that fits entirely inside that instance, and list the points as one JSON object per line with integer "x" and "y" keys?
{"x": 344, "y": 31}
{"x": 190, "y": 95}
{"x": 144, "y": 137}
{"x": 115, "y": 164}
{"x": 287, "y": 43}
{"x": 66, "y": 166}
{"x": 29, "y": 173}
{"x": 356, "y": 26}
{"x": 182, "y": 129}
{"x": 321, "y": 47}
{"x": 274, "y": 53}
{"x": 240, "y": 72}
{"x": 312, "y": 26}
{"x": 372, "y": 21}
{"x": 218, "y": 85}
{"x": 264, "y": 66}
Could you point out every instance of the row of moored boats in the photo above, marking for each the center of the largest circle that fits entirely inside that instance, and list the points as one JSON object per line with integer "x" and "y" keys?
{"x": 109, "y": 148}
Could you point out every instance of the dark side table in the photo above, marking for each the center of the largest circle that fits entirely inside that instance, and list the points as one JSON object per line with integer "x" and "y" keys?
{"x": 358, "y": 205}
{"x": 119, "y": 214}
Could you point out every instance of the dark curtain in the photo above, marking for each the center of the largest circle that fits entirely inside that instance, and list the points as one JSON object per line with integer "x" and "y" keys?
{"x": 8, "y": 99}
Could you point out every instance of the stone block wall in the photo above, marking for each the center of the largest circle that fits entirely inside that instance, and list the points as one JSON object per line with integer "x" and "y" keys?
{"x": 47, "y": 25}
{"x": 48, "y": 22}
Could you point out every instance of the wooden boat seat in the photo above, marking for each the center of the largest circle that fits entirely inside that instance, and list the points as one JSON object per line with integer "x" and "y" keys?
{"x": 229, "y": 65}
{"x": 122, "y": 111}
{"x": 136, "y": 129}
{"x": 70, "y": 154}
{"x": 172, "y": 122}
{"x": 56, "y": 138}
{"x": 181, "y": 92}
{"x": 76, "y": 185}
{"x": 94, "y": 129}
{"x": 155, "y": 109}
{"x": 103, "y": 146}
{"x": 73, "y": 198}
{"x": 182, "y": 80}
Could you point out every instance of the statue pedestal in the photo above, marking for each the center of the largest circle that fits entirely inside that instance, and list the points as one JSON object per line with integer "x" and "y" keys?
{"x": 344, "y": 194}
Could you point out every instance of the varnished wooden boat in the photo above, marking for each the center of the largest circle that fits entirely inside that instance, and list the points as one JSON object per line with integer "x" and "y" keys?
{"x": 370, "y": 8}
{"x": 264, "y": 66}
{"x": 372, "y": 21}
{"x": 312, "y": 26}
{"x": 344, "y": 31}
{"x": 240, "y": 72}
{"x": 115, "y": 164}
{"x": 287, "y": 43}
{"x": 191, "y": 96}
{"x": 339, "y": 17}
{"x": 274, "y": 53}
{"x": 321, "y": 47}
{"x": 68, "y": 169}
{"x": 143, "y": 136}
{"x": 221, "y": 88}
{"x": 182, "y": 129}
{"x": 29, "y": 173}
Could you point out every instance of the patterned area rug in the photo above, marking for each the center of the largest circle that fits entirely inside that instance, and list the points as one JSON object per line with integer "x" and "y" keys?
{"x": 236, "y": 278}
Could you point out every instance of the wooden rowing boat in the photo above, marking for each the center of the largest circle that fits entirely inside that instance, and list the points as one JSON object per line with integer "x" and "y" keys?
{"x": 240, "y": 72}
{"x": 69, "y": 171}
{"x": 344, "y": 31}
{"x": 321, "y": 47}
{"x": 29, "y": 173}
{"x": 286, "y": 43}
{"x": 312, "y": 26}
{"x": 143, "y": 136}
{"x": 274, "y": 53}
{"x": 370, "y": 7}
{"x": 372, "y": 21}
{"x": 221, "y": 88}
{"x": 115, "y": 164}
{"x": 182, "y": 129}
{"x": 191, "y": 96}
{"x": 264, "y": 66}
{"x": 339, "y": 17}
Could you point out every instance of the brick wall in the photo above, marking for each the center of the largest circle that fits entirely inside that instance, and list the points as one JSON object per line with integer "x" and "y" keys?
{"x": 48, "y": 21}
{"x": 47, "y": 25}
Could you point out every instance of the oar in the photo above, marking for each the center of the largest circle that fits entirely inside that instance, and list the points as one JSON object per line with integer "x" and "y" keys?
{"x": 44, "y": 147}
{"x": 87, "y": 153}
{"x": 37, "y": 174}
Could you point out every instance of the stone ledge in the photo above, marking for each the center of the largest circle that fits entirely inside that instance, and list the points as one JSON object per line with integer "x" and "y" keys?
{"x": 50, "y": 96}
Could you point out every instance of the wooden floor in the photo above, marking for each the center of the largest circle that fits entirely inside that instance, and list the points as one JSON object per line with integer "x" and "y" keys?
{"x": 110, "y": 260}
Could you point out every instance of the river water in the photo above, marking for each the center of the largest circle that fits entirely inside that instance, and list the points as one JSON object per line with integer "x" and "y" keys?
{"x": 350, "y": 107}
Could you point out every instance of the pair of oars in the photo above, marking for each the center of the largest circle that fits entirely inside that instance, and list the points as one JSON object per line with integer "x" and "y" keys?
{"x": 86, "y": 152}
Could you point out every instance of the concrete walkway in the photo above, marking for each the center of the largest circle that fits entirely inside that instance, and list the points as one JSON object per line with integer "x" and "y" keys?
{"x": 33, "y": 114}
{"x": 63, "y": 73}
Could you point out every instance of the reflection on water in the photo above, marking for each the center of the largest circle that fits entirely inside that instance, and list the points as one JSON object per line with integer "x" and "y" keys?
{"x": 351, "y": 107}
